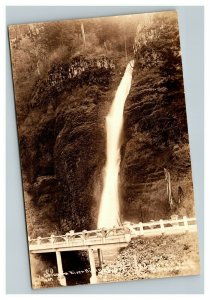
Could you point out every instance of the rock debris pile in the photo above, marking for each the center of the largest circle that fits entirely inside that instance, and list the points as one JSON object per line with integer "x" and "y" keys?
{"x": 154, "y": 257}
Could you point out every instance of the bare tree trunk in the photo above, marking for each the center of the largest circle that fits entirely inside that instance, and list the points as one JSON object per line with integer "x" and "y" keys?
{"x": 169, "y": 190}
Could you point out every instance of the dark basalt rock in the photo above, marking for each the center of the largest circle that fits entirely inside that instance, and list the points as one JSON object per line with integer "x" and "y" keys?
{"x": 155, "y": 129}
{"x": 63, "y": 140}
{"x": 63, "y": 144}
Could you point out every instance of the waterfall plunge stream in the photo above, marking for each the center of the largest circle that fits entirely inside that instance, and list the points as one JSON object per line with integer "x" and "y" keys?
{"x": 109, "y": 212}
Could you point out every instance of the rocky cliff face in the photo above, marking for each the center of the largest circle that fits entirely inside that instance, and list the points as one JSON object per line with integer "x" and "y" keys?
{"x": 62, "y": 140}
{"x": 155, "y": 128}
{"x": 63, "y": 149}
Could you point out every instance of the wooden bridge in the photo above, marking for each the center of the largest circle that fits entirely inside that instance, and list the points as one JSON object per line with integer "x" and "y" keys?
{"x": 100, "y": 239}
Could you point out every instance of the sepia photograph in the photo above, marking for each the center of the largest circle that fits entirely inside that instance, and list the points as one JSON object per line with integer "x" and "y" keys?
{"x": 104, "y": 149}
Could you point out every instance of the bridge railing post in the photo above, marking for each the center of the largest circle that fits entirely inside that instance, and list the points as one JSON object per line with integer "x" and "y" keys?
{"x": 67, "y": 236}
{"x": 127, "y": 237}
{"x": 162, "y": 228}
{"x": 84, "y": 236}
{"x": 141, "y": 228}
{"x": 52, "y": 239}
{"x": 72, "y": 236}
{"x": 186, "y": 225}
{"x": 39, "y": 240}
{"x": 103, "y": 235}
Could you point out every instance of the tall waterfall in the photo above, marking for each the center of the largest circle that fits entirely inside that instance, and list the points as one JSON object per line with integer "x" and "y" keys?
{"x": 109, "y": 212}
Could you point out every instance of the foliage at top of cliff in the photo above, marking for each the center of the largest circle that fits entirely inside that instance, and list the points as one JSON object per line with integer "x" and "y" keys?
{"x": 36, "y": 47}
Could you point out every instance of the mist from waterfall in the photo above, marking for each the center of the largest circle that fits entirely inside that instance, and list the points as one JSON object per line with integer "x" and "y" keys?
{"x": 109, "y": 212}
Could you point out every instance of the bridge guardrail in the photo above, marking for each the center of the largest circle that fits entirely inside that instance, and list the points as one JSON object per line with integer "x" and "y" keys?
{"x": 116, "y": 234}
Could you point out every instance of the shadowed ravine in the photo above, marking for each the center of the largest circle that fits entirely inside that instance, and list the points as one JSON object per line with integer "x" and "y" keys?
{"x": 109, "y": 213}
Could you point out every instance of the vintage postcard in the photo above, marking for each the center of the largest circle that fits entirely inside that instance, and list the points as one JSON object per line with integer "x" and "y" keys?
{"x": 104, "y": 149}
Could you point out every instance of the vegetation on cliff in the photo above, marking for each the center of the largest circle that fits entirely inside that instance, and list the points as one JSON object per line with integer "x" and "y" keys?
{"x": 155, "y": 126}
{"x": 65, "y": 77}
{"x": 64, "y": 88}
